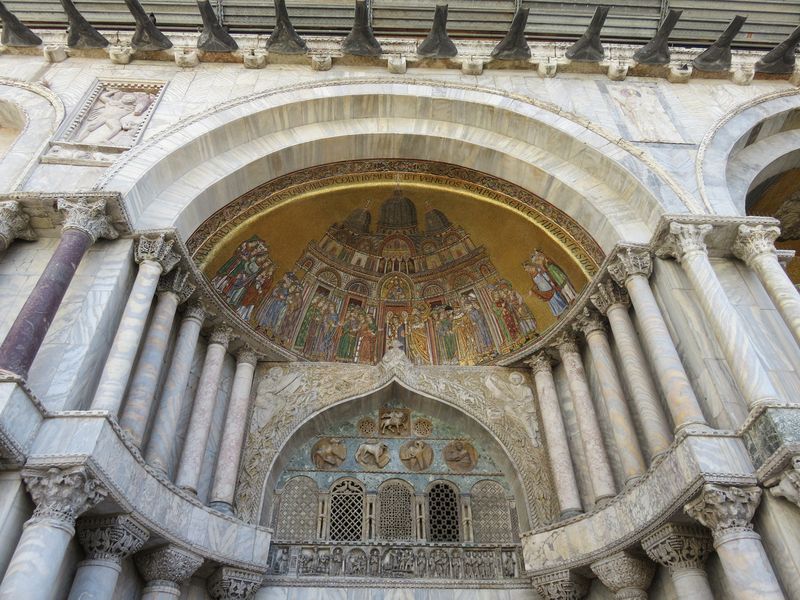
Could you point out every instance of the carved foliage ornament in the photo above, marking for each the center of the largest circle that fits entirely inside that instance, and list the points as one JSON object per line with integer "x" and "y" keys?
{"x": 168, "y": 563}
{"x": 755, "y": 241}
{"x": 227, "y": 583}
{"x": 62, "y": 495}
{"x": 88, "y": 216}
{"x": 157, "y": 249}
{"x": 725, "y": 508}
{"x": 14, "y": 224}
{"x": 562, "y": 585}
{"x": 625, "y": 572}
{"x": 685, "y": 239}
{"x": 678, "y": 546}
{"x": 177, "y": 282}
{"x": 608, "y": 295}
{"x": 630, "y": 262}
{"x": 111, "y": 538}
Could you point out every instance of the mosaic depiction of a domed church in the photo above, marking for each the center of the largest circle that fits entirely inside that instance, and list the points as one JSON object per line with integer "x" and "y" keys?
{"x": 360, "y": 290}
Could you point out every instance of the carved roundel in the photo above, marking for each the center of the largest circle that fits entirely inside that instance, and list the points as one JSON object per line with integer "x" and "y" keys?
{"x": 423, "y": 427}
{"x": 460, "y": 456}
{"x": 366, "y": 427}
{"x": 328, "y": 453}
{"x": 373, "y": 455}
{"x": 416, "y": 455}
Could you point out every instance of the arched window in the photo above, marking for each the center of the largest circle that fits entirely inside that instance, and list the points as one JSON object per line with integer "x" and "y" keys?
{"x": 444, "y": 522}
{"x": 491, "y": 517}
{"x": 297, "y": 510}
{"x": 395, "y": 511}
{"x": 346, "y": 517}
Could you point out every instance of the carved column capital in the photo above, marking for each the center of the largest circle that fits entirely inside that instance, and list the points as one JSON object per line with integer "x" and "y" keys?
{"x": 195, "y": 310}
{"x": 685, "y": 239}
{"x": 111, "y": 538}
{"x": 177, "y": 282}
{"x": 14, "y": 224}
{"x": 227, "y": 583}
{"x": 169, "y": 565}
{"x": 789, "y": 483}
{"x": 88, "y": 216}
{"x": 562, "y": 585}
{"x": 246, "y": 354}
{"x": 725, "y": 508}
{"x": 626, "y": 576}
{"x": 630, "y": 262}
{"x": 62, "y": 495}
{"x": 588, "y": 322}
{"x": 540, "y": 362}
{"x": 566, "y": 342}
{"x": 678, "y": 546}
{"x": 222, "y": 335}
{"x": 752, "y": 241}
{"x": 609, "y": 294}
{"x": 157, "y": 249}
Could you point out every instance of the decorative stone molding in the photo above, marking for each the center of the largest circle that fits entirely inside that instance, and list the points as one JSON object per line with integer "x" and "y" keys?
{"x": 62, "y": 495}
{"x": 629, "y": 262}
{"x": 179, "y": 283}
{"x": 111, "y": 538}
{"x": 157, "y": 249}
{"x": 588, "y": 322}
{"x": 789, "y": 484}
{"x": 561, "y": 585}
{"x": 227, "y": 583}
{"x": 247, "y": 355}
{"x": 684, "y": 239}
{"x": 608, "y": 294}
{"x": 168, "y": 565}
{"x": 540, "y": 361}
{"x": 752, "y": 241}
{"x": 725, "y": 509}
{"x": 222, "y": 335}
{"x": 678, "y": 546}
{"x": 14, "y": 224}
{"x": 87, "y": 215}
{"x": 626, "y": 576}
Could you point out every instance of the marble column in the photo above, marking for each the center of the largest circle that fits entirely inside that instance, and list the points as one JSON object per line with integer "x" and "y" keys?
{"x": 85, "y": 222}
{"x": 756, "y": 247}
{"x": 155, "y": 257}
{"x": 161, "y": 446}
{"x": 622, "y": 428}
{"x": 165, "y": 569}
{"x": 173, "y": 289}
{"x": 107, "y": 542}
{"x": 631, "y": 268}
{"x": 728, "y": 512}
{"x": 561, "y": 585}
{"x": 591, "y": 438}
{"x": 613, "y": 303}
{"x": 194, "y": 447}
{"x": 683, "y": 550}
{"x": 61, "y": 496}
{"x": 626, "y": 576}
{"x": 228, "y": 583}
{"x": 230, "y": 448}
{"x": 687, "y": 244}
{"x": 14, "y": 224}
{"x": 569, "y": 498}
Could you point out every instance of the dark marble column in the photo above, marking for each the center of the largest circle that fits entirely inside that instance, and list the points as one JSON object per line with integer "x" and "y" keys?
{"x": 84, "y": 223}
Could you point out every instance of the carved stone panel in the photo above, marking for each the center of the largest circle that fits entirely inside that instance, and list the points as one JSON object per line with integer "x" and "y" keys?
{"x": 373, "y": 455}
{"x": 328, "y": 453}
{"x": 461, "y": 456}
{"x": 416, "y": 455}
{"x": 395, "y": 422}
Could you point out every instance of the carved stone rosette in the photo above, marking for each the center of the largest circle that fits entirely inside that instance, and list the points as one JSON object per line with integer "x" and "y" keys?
{"x": 157, "y": 249}
{"x": 678, "y": 546}
{"x": 177, "y": 282}
{"x": 753, "y": 241}
{"x": 227, "y": 583}
{"x": 62, "y": 495}
{"x": 789, "y": 484}
{"x": 14, "y": 224}
{"x": 725, "y": 509}
{"x": 111, "y": 538}
{"x": 88, "y": 216}
{"x": 168, "y": 565}
{"x": 630, "y": 262}
{"x": 561, "y": 585}
{"x": 626, "y": 576}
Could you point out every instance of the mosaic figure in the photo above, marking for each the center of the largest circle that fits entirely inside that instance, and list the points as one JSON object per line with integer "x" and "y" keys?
{"x": 246, "y": 276}
{"x": 550, "y": 283}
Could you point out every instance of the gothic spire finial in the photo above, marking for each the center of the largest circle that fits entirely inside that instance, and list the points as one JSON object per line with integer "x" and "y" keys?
{"x": 656, "y": 51}
{"x": 588, "y": 48}
{"x": 514, "y": 46}
{"x": 438, "y": 44}
{"x": 213, "y": 38}
{"x": 284, "y": 39}
{"x": 717, "y": 57}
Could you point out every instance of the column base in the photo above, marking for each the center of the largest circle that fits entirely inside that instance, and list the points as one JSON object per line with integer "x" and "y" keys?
{"x": 222, "y": 506}
{"x": 603, "y": 501}
{"x": 569, "y": 513}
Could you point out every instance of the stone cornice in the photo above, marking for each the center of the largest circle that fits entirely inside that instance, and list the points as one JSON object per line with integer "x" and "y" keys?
{"x": 46, "y": 219}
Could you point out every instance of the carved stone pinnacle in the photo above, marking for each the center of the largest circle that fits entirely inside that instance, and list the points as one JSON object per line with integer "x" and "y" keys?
{"x": 724, "y": 508}
{"x": 88, "y": 216}
{"x": 562, "y": 585}
{"x": 157, "y": 249}
{"x": 685, "y": 239}
{"x": 111, "y": 538}
{"x": 630, "y": 262}
{"x": 227, "y": 583}
{"x": 678, "y": 546}
{"x": 62, "y": 495}
{"x": 168, "y": 564}
{"x": 607, "y": 295}
{"x": 625, "y": 575}
{"x": 753, "y": 241}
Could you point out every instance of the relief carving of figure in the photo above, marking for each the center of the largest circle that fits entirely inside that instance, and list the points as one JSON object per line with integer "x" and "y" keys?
{"x": 356, "y": 563}
{"x": 394, "y": 422}
{"x": 328, "y": 453}
{"x": 114, "y": 118}
{"x": 337, "y": 562}
{"x": 373, "y": 454}
{"x": 306, "y": 562}
{"x": 460, "y": 456}
{"x": 374, "y": 562}
{"x": 422, "y": 563}
{"x": 416, "y": 455}
{"x": 515, "y": 398}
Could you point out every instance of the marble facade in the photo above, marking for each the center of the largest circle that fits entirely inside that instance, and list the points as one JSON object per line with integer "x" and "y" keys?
{"x": 651, "y": 438}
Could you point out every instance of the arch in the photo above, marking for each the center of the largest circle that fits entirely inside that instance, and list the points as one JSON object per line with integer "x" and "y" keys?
{"x": 611, "y": 188}
{"x": 346, "y": 510}
{"x": 39, "y": 112}
{"x": 395, "y": 506}
{"x": 444, "y": 511}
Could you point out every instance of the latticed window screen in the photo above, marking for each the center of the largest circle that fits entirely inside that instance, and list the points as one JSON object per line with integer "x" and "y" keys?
{"x": 443, "y": 519}
{"x": 346, "y": 512}
{"x": 491, "y": 521}
{"x": 297, "y": 513}
{"x": 395, "y": 512}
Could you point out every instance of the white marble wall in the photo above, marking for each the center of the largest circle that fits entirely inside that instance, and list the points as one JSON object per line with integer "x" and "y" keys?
{"x": 390, "y": 594}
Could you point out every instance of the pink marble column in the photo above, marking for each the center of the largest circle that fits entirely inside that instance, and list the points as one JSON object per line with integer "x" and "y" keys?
{"x": 622, "y": 428}
{"x": 161, "y": 448}
{"x": 194, "y": 447}
{"x": 756, "y": 247}
{"x": 613, "y": 302}
{"x": 14, "y": 224}
{"x": 174, "y": 288}
{"x": 569, "y": 498}
{"x": 686, "y": 243}
{"x": 631, "y": 268}
{"x": 591, "y": 438}
{"x": 230, "y": 449}
{"x": 683, "y": 550}
{"x": 85, "y": 222}
{"x": 155, "y": 256}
